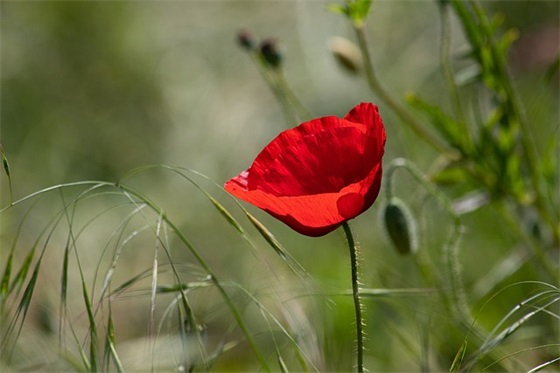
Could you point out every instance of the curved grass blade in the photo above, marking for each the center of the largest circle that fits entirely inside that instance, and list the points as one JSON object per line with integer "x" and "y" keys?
{"x": 544, "y": 365}
{"x": 269, "y": 314}
{"x": 7, "y": 171}
{"x": 493, "y": 342}
{"x": 133, "y": 195}
{"x": 110, "y": 344}
{"x": 277, "y": 246}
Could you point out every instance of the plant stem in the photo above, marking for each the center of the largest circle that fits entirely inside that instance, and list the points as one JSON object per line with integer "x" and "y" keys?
{"x": 378, "y": 89}
{"x": 356, "y": 296}
{"x": 291, "y": 106}
{"x": 234, "y": 312}
{"x": 445, "y": 62}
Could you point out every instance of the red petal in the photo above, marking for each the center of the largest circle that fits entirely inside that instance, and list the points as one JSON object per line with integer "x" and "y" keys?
{"x": 319, "y": 174}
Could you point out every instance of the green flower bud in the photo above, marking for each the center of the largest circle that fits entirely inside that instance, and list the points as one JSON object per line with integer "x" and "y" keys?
{"x": 401, "y": 226}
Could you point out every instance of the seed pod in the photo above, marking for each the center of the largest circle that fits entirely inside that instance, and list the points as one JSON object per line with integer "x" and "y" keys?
{"x": 401, "y": 226}
{"x": 347, "y": 54}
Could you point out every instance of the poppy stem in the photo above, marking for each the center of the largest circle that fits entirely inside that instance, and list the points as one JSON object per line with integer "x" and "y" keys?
{"x": 356, "y": 295}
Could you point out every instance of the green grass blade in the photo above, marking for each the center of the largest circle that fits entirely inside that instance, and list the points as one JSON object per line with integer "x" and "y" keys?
{"x": 278, "y": 248}
{"x": 225, "y": 213}
{"x": 270, "y": 315}
{"x": 92, "y": 328}
{"x": 6, "y": 165}
{"x": 544, "y": 365}
{"x": 5, "y": 282}
{"x": 458, "y": 360}
{"x": 135, "y": 195}
{"x": 110, "y": 343}
{"x": 22, "y": 309}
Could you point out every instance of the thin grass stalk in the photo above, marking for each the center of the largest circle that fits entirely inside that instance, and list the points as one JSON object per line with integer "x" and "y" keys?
{"x": 472, "y": 360}
{"x": 235, "y": 313}
{"x": 514, "y": 99}
{"x": 264, "y": 310}
{"x": 111, "y": 343}
{"x": 87, "y": 301}
{"x": 272, "y": 80}
{"x": 155, "y": 266}
{"x": 378, "y": 89}
{"x": 283, "y": 86}
{"x": 467, "y": 11}
{"x": 445, "y": 61}
{"x": 544, "y": 365}
{"x": 499, "y": 338}
{"x": 6, "y": 165}
{"x": 535, "y": 249}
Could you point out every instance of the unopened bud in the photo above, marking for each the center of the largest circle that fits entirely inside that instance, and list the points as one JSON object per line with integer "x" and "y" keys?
{"x": 246, "y": 40}
{"x": 271, "y": 52}
{"x": 401, "y": 226}
{"x": 347, "y": 54}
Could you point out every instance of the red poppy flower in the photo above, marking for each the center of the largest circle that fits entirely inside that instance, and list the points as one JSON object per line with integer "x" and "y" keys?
{"x": 320, "y": 174}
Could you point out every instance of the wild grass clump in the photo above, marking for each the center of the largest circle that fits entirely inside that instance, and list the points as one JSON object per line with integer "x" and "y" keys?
{"x": 162, "y": 270}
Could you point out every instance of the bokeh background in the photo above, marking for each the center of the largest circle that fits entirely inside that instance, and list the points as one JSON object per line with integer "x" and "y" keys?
{"x": 92, "y": 90}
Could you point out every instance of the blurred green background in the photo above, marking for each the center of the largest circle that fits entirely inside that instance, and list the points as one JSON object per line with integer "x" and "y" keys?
{"x": 91, "y": 90}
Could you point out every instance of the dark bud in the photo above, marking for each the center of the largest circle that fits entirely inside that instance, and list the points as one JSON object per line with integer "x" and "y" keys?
{"x": 271, "y": 52}
{"x": 246, "y": 40}
{"x": 401, "y": 226}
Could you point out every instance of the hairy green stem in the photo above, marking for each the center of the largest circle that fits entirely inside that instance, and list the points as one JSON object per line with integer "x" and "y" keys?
{"x": 356, "y": 296}
{"x": 456, "y": 291}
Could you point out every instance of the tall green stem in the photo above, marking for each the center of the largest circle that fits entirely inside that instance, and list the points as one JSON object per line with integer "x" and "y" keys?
{"x": 378, "y": 89}
{"x": 445, "y": 52}
{"x": 356, "y": 296}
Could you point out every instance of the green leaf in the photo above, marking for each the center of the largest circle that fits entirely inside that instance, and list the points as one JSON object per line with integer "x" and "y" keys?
{"x": 336, "y": 8}
{"x": 456, "y": 365}
{"x": 356, "y": 10}
{"x": 506, "y": 41}
{"x": 445, "y": 124}
{"x": 455, "y": 174}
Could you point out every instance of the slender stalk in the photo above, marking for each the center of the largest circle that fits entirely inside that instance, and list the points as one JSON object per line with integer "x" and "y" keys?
{"x": 283, "y": 86}
{"x": 356, "y": 296}
{"x": 378, "y": 89}
{"x": 535, "y": 249}
{"x": 273, "y": 77}
{"x": 234, "y": 312}
{"x": 445, "y": 62}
